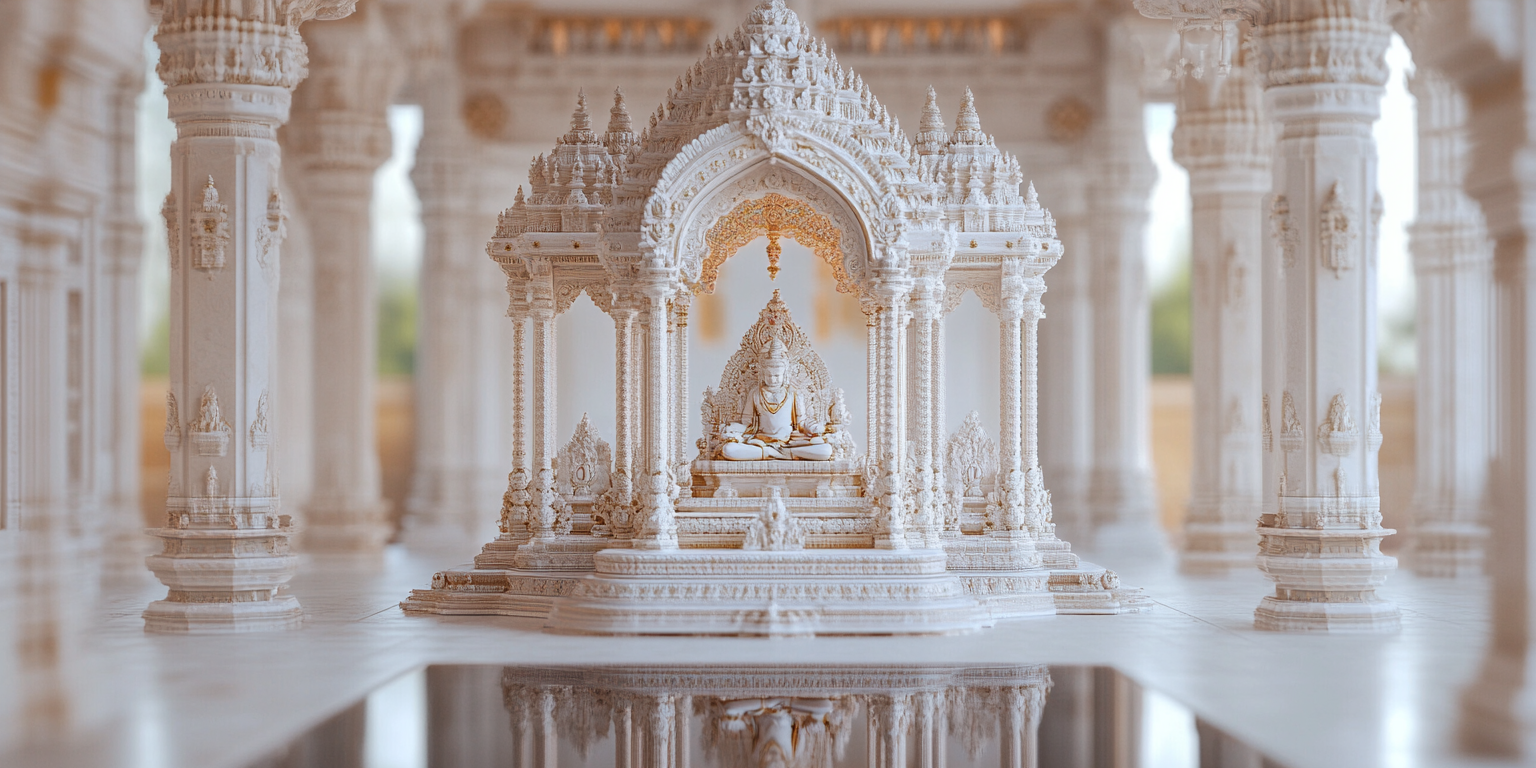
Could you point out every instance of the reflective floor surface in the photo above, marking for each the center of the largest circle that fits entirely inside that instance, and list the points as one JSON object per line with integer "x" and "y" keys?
{"x": 104, "y": 693}
{"x": 645, "y": 716}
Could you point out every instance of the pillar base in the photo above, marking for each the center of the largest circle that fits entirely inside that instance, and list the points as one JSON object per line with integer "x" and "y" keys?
{"x": 1449, "y": 551}
{"x": 1217, "y": 548}
{"x": 1369, "y": 614}
{"x": 1498, "y": 710}
{"x": 769, "y": 593}
{"x": 1325, "y": 580}
{"x": 278, "y": 613}
{"x": 364, "y": 529}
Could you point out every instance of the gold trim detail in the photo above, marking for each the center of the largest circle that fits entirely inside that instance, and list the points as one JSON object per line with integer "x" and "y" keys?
{"x": 775, "y": 216}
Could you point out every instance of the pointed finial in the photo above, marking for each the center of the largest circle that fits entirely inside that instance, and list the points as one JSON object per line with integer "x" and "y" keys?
{"x": 519, "y": 200}
{"x": 618, "y": 121}
{"x": 1031, "y": 197}
{"x": 581, "y": 122}
{"x": 968, "y": 123}
{"x": 931, "y": 133}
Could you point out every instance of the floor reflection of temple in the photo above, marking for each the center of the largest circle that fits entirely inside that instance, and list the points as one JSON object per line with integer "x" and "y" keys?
{"x": 797, "y": 716}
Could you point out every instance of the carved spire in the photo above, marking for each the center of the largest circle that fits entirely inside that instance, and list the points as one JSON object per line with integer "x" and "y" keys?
{"x": 968, "y": 124}
{"x": 581, "y": 123}
{"x": 931, "y": 133}
{"x": 621, "y": 129}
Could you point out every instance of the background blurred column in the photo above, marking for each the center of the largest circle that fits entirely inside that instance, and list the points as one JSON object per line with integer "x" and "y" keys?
{"x": 117, "y": 381}
{"x": 1066, "y": 366}
{"x": 1121, "y": 494}
{"x": 1489, "y": 50}
{"x": 225, "y": 545}
{"x": 1320, "y": 542}
{"x": 1453, "y": 264}
{"x": 1223, "y": 139}
{"x": 338, "y": 138}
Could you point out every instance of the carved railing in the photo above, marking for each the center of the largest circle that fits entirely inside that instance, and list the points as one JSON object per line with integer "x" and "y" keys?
{"x": 906, "y": 35}
{"x": 598, "y": 35}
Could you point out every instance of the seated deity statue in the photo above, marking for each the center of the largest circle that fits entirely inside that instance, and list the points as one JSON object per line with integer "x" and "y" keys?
{"x": 775, "y": 422}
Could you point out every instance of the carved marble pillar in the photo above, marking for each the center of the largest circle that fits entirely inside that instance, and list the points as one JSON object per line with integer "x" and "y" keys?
{"x": 1038, "y": 515}
{"x": 1121, "y": 495}
{"x": 656, "y": 715}
{"x": 658, "y": 526}
{"x": 1489, "y": 51}
{"x": 943, "y": 514}
{"x": 1453, "y": 265}
{"x": 1320, "y": 535}
{"x": 889, "y": 493}
{"x": 225, "y": 550}
{"x": 926, "y": 308}
{"x": 678, "y": 347}
{"x": 338, "y": 138}
{"x": 1022, "y": 707}
{"x": 1066, "y": 370}
{"x": 1223, "y": 139}
{"x": 514, "y": 503}
{"x": 1009, "y": 512}
{"x": 621, "y": 502}
{"x": 543, "y": 495}
{"x": 890, "y": 715}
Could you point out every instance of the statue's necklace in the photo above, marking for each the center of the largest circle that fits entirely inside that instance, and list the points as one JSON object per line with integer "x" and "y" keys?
{"x": 774, "y": 407}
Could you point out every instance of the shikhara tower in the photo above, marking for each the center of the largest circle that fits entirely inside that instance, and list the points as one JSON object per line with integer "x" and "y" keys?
{"x": 768, "y": 136}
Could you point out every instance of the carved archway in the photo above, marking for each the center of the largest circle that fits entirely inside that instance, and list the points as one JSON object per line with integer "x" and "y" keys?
{"x": 775, "y": 216}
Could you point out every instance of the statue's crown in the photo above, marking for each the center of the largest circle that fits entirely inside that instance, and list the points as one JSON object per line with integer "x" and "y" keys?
{"x": 774, "y": 353}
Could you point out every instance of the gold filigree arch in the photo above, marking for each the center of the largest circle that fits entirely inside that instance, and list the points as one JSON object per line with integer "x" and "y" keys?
{"x": 775, "y": 216}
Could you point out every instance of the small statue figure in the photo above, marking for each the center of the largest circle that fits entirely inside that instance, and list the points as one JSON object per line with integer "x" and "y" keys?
{"x": 776, "y": 426}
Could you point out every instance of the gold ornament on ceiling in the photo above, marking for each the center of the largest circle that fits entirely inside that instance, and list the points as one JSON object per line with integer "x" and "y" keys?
{"x": 1067, "y": 119}
{"x": 775, "y": 216}
{"x": 485, "y": 115}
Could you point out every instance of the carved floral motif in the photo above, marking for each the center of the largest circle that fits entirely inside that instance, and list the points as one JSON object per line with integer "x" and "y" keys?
{"x": 972, "y": 458}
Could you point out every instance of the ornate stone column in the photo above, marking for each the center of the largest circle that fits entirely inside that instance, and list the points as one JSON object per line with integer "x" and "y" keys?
{"x": 927, "y": 307}
{"x": 681, "y": 461}
{"x": 543, "y": 495}
{"x": 1223, "y": 139}
{"x": 225, "y": 544}
{"x": 1009, "y": 512}
{"x": 890, "y": 715}
{"x": 1453, "y": 264}
{"x": 1022, "y": 707}
{"x": 657, "y": 527}
{"x": 1488, "y": 50}
{"x": 1321, "y": 529}
{"x": 338, "y": 138}
{"x": 943, "y": 514}
{"x": 621, "y": 493}
{"x": 887, "y": 480}
{"x": 1121, "y": 493}
{"x": 1038, "y": 515}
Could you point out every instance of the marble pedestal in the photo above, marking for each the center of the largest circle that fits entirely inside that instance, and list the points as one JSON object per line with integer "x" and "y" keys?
{"x": 1325, "y": 580}
{"x": 795, "y": 592}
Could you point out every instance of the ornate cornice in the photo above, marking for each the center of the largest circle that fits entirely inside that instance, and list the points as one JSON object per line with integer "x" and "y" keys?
{"x": 244, "y": 44}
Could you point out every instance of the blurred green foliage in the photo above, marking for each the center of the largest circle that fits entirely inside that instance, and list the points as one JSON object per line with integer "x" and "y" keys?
{"x": 155, "y": 354}
{"x": 1171, "y": 325}
{"x": 397, "y": 325}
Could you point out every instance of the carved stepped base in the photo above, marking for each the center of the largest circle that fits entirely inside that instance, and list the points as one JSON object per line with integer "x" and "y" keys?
{"x": 559, "y": 553}
{"x": 1091, "y": 589}
{"x": 795, "y": 479}
{"x": 800, "y": 592}
{"x": 470, "y": 591}
{"x": 1325, "y": 580}
{"x": 223, "y": 581}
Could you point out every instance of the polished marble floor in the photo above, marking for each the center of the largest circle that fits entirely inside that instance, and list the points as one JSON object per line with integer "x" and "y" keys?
{"x": 131, "y": 699}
